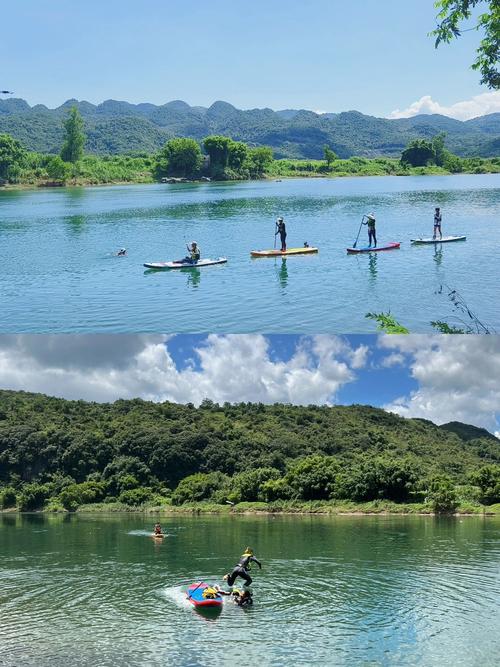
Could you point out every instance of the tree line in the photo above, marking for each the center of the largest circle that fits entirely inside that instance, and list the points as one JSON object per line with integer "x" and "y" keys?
{"x": 55, "y": 452}
{"x": 219, "y": 157}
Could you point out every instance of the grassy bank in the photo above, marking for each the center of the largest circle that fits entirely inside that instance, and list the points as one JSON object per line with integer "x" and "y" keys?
{"x": 380, "y": 507}
{"x": 93, "y": 170}
{"x": 358, "y": 166}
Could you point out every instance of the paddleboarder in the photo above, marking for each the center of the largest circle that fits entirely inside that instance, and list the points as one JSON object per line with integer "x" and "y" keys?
{"x": 281, "y": 230}
{"x": 242, "y": 568}
{"x": 194, "y": 254}
{"x": 437, "y": 223}
{"x": 372, "y": 234}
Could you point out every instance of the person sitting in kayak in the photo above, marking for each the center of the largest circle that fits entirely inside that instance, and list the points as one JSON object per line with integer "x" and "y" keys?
{"x": 372, "y": 234}
{"x": 242, "y": 568}
{"x": 157, "y": 529}
{"x": 194, "y": 254}
{"x": 437, "y": 223}
{"x": 281, "y": 230}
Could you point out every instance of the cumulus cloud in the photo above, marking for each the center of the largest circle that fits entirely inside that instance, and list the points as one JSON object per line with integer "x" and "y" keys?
{"x": 479, "y": 105}
{"x": 458, "y": 378}
{"x": 231, "y": 368}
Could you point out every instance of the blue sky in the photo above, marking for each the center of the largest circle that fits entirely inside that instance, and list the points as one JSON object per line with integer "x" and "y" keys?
{"x": 435, "y": 377}
{"x": 329, "y": 55}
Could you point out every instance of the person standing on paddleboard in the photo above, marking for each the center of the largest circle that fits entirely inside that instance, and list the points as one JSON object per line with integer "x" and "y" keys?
{"x": 437, "y": 223}
{"x": 281, "y": 230}
{"x": 372, "y": 234}
{"x": 242, "y": 568}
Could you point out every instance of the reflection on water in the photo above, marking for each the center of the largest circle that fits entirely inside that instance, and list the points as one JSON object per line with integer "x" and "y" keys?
{"x": 282, "y": 272}
{"x": 372, "y": 267}
{"x": 438, "y": 255}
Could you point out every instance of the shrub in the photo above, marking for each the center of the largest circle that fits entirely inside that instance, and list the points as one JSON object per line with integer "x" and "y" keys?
{"x": 136, "y": 496}
{"x": 33, "y": 497}
{"x": 487, "y": 479}
{"x": 8, "y": 497}
{"x": 200, "y": 486}
{"x": 313, "y": 478}
{"x": 441, "y": 495}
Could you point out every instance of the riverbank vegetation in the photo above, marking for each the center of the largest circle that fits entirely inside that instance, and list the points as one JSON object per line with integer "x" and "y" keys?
{"x": 216, "y": 157}
{"x": 61, "y": 455}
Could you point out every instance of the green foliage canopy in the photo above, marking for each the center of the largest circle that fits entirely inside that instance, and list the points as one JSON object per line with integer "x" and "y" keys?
{"x": 451, "y": 15}
{"x": 179, "y": 157}
{"x": 12, "y": 157}
{"x": 74, "y": 137}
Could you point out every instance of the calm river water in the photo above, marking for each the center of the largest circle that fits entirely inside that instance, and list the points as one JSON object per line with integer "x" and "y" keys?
{"x": 97, "y": 590}
{"x": 58, "y": 272}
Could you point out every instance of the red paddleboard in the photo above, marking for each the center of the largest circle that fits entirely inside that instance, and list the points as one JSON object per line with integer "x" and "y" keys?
{"x": 195, "y": 596}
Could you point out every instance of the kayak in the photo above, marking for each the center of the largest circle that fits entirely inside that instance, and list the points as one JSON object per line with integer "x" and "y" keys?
{"x": 195, "y": 596}
{"x": 445, "y": 239}
{"x": 389, "y": 246}
{"x": 185, "y": 265}
{"x": 281, "y": 253}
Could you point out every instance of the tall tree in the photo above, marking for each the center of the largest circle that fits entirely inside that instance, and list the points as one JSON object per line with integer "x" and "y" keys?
{"x": 329, "y": 155}
{"x": 450, "y": 18}
{"x": 74, "y": 138}
{"x": 179, "y": 157}
{"x": 12, "y": 156}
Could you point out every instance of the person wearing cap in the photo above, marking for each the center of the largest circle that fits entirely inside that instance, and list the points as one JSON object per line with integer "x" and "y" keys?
{"x": 242, "y": 568}
{"x": 372, "y": 234}
{"x": 437, "y": 223}
{"x": 281, "y": 230}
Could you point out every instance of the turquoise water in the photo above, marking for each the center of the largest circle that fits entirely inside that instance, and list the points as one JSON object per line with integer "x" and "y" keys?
{"x": 57, "y": 272}
{"x": 388, "y": 591}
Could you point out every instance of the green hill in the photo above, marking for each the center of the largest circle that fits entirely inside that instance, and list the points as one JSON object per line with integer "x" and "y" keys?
{"x": 116, "y": 127}
{"x": 41, "y": 436}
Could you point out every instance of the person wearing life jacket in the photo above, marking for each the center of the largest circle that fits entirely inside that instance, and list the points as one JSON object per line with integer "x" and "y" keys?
{"x": 281, "y": 230}
{"x": 438, "y": 218}
{"x": 372, "y": 234}
{"x": 157, "y": 529}
{"x": 194, "y": 254}
{"x": 210, "y": 592}
{"x": 242, "y": 568}
{"x": 243, "y": 599}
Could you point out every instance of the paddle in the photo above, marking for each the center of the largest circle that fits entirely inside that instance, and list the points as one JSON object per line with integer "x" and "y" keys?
{"x": 194, "y": 589}
{"x": 359, "y": 232}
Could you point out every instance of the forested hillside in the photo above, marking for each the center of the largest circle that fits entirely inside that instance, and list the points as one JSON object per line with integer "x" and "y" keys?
{"x": 119, "y": 127}
{"x": 139, "y": 448}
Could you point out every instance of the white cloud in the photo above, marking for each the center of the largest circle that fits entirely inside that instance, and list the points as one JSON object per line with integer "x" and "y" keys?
{"x": 231, "y": 368}
{"x": 458, "y": 378}
{"x": 479, "y": 105}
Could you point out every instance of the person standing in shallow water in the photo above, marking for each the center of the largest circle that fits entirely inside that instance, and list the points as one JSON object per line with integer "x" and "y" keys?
{"x": 281, "y": 230}
{"x": 242, "y": 568}
{"x": 372, "y": 234}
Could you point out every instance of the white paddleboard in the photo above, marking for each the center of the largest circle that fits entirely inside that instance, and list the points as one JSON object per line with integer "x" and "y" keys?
{"x": 185, "y": 265}
{"x": 445, "y": 239}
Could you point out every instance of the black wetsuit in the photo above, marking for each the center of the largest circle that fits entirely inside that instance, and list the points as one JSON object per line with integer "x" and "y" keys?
{"x": 281, "y": 230}
{"x": 241, "y": 570}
